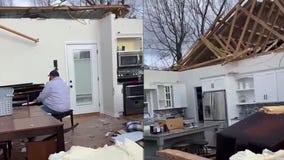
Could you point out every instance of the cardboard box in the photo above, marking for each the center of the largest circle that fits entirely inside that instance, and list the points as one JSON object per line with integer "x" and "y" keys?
{"x": 173, "y": 123}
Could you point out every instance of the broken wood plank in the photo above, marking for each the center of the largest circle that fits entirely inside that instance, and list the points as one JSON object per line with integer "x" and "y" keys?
{"x": 173, "y": 154}
{"x": 202, "y": 64}
{"x": 20, "y": 34}
{"x": 231, "y": 58}
{"x": 272, "y": 45}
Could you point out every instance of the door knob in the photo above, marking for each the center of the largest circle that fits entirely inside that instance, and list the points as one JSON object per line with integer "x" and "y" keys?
{"x": 70, "y": 81}
{"x": 71, "y": 86}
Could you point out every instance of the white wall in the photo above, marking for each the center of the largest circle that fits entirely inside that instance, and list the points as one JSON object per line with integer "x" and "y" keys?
{"x": 107, "y": 65}
{"x": 154, "y": 76}
{"x": 192, "y": 78}
{"x": 128, "y": 27}
{"x": 24, "y": 61}
{"x": 123, "y": 27}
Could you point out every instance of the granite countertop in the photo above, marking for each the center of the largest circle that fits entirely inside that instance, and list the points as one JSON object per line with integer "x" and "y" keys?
{"x": 186, "y": 130}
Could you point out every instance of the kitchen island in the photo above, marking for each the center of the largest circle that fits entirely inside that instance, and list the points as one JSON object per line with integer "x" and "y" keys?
{"x": 156, "y": 142}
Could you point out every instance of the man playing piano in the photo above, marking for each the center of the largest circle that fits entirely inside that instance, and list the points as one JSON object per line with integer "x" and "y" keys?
{"x": 55, "y": 96}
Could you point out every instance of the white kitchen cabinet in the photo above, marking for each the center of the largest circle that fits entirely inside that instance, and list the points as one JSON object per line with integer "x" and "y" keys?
{"x": 179, "y": 96}
{"x": 164, "y": 93}
{"x": 265, "y": 87}
{"x": 245, "y": 90}
{"x": 280, "y": 84}
{"x": 171, "y": 96}
{"x": 213, "y": 84}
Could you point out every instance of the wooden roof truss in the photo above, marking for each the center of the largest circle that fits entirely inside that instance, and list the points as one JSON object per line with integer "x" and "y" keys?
{"x": 251, "y": 28}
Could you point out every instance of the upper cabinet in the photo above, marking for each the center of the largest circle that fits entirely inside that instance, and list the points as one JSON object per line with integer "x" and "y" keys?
{"x": 245, "y": 89}
{"x": 171, "y": 96}
{"x": 280, "y": 84}
{"x": 179, "y": 95}
{"x": 129, "y": 44}
{"x": 262, "y": 87}
{"x": 265, "y": 87}
{"x": 213, "y": 84}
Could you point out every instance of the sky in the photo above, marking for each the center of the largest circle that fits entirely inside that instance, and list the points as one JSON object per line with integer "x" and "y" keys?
{"x": 21, "y": 2}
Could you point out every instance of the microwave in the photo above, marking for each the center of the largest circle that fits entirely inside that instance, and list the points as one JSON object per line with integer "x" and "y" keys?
{"x": 130, "y": 59}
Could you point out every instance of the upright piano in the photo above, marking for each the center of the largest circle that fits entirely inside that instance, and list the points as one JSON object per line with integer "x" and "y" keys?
{"x": 25, "y": 92}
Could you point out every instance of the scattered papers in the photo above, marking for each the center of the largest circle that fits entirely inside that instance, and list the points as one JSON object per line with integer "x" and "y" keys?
{"x": 127, "y": 150}
{"x": 266, "y": 155}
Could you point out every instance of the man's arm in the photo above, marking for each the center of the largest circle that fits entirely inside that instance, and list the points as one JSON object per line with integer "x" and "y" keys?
{"x": 44, "y": 93}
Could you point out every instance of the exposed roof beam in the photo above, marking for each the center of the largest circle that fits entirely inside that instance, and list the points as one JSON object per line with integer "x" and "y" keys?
{"x": 263, "y": 24}
{"x": 245, "y": 27}
{"x": 255, "y": 24}
{"x": 263, "y": 29}
{"x": 219, "y": 41}
{"x": 233, "y": 57}
{"x": 225, "y": 40}
{"x": 269, "y": 34}
{"x": 232, "y": 27}
{"x": 278, "y": 4}
{"x": 202, "y": 64}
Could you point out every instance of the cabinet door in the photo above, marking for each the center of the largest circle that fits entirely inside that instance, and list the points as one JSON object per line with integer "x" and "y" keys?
{"x": 265, "y": 87}
{"x": 179, "y": 95}
{"x": 280, "y": 85}
{"x": 213, "y": 84}
{"x": 259, "y": 80}
{"x": 271, "y": 88}
{"x": 206, "y": 85}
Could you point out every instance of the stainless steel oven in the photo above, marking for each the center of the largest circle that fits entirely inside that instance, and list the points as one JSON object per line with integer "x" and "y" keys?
{"x": 133, "y": 98}
{"x": 130, "y": 59}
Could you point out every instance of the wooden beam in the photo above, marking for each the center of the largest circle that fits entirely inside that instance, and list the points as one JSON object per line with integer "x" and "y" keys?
{"x": 212, "y": 47}
{"x": 232, "y": 27}
{"x": 255, "y": 24}
{"x": 19, "y": 34}
{"x": 272, "y": 45}
{"x": 219, "y": 41}
{"x": 236, "y": 55}
{"x": 178, "y": 155}
{"x": 263, "y": 24}
{"x": 245, "y": 27}
{"x": 202, "y": 64}
{"x": 222, "y": 38}
{"x": 263, "y": 30}
{"x": 269, "y": 34}
{"x": 278, "y": 4}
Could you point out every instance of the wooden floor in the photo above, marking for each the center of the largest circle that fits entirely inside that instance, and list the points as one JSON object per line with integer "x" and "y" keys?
{"x": 90, "y": 132}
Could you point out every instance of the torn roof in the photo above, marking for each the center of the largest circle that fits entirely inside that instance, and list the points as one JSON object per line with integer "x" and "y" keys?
{"x": 64, "y": 12}
{"x": 251, "y": 28}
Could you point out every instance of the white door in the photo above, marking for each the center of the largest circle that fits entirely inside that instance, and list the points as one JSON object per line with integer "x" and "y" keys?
{"x": 82, "y": 63}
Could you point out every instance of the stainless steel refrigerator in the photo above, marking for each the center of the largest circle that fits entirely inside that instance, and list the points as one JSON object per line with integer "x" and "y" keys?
{"x": 214, "y": 110}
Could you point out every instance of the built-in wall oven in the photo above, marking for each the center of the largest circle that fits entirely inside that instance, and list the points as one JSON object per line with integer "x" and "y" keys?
{"x": 130, "y": 59}
{"x": 133, "y": 98}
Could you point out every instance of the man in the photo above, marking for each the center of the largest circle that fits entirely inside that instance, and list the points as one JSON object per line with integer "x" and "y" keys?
{"x": 55, "y": 95}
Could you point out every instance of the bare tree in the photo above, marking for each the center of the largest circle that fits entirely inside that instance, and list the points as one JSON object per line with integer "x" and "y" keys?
{"x": 6, "y": 3}
{"x": 176, "y": 24}
{"x": 167, "y": 21}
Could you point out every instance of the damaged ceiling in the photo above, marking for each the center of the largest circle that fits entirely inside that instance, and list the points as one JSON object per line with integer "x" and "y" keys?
{"x": 65, "y": 12}
{"x": 250, "y": 29}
